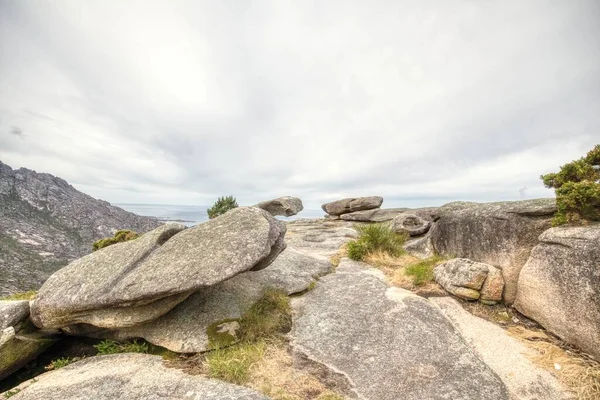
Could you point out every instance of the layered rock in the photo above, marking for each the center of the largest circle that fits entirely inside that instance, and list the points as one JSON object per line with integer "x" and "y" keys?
{"x": 349, "y": 205}
{"x": 20, "y": 343}
{"x": 376, "y": 215}
{"x": 129, "y": 377}
{"x": 185, "y": 328}
{"x": 282, "y": 206}
{"x": 559, "y": 287}
{"x": 318, "y": 237}
{"x": 411, "y": 224}
{"x": 387, "y": 342}
{"x": 133, "y": 282}
{"x": 470, "y": 280}
{"x": 46, "y": 223}
{"x": 501, "y": 234}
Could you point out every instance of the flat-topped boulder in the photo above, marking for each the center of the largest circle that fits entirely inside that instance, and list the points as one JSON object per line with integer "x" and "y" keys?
{"x": 133, "y": 282}
{"x": 387, "y": 342}
{"x": 559, "y": 287}
{"x": 470, "y": 280}
{"x": 410, "y": 223}
{"x": 128, "y": 377}
{"x": 349, "y": 205}
{"x": 185, "y": 328}
{"x": 376, "y": 215}
{"x": 283, "y": 206}
{"x": 500, "y": 234}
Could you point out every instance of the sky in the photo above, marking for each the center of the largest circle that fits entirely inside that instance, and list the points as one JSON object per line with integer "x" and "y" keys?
{"x": 179, "y": 102}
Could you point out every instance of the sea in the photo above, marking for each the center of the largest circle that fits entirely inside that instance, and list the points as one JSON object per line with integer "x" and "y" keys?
{"x": 193, "y": 215}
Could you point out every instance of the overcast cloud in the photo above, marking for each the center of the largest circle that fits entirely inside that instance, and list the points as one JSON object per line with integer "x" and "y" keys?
{"x": 178, "y": 102}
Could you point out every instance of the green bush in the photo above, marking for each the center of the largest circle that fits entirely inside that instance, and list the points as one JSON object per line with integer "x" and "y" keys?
{"x": 120, "y": 236}
{"x": 221, "y": 206}
{"x": 422, "y": 271}
{"x": 577, "y": 187}
{"x": 373, "y": 238}
{"x": 112, "y": 347}
{"x": 61, "y": 362}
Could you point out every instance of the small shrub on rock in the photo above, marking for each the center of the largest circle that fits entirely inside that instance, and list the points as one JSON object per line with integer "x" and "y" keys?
{"x": 373, "y": 238}
{"x": 221, "y": 206}
{"x": 577, "y": 187}
{"x": 120, "y": 236}
{"x": 112, "y": 347}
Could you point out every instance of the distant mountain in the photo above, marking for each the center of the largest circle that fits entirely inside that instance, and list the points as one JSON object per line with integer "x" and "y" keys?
{"x": 45, "y": 223}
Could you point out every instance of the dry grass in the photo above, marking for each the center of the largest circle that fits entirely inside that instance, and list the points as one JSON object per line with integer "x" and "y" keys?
{"x": 395, "y": 268}
{"x": 337, "y": 257}
{"x": 577, "y": 371}
{"x": 30, "y": 295}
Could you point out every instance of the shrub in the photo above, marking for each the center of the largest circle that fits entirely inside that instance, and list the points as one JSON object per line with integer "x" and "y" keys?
{"x": 373, "y": 238}
{"x": 120, "y": 236}
{"x": 221, "y": 206}
{"x": 577, "y": 187}
{"x": 112, "y": 347}
{"x": 61, "y": 362}
{"x": 422, "y": 271}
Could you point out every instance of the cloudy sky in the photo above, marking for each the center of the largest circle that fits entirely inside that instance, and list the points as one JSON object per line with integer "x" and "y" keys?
{"x": 178, "y": 102}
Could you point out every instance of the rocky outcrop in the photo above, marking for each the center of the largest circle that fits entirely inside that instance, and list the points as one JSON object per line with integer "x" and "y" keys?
{"x": 283, "y": 206}
{"x": 508, "y": 357}
{"x": 411, "y": 224}
{"x": 377, "y": 215}
{"x": 20, "y": 343}
{"x": 349, "y": 205}
{"x": 319, "y": 237}
{"x": 129, "y": 377}
{"x": 185, "y": 328}
{"x": 500, "y": 234}
{"x": 387, "y": 342}
{"x": 45, "y": 223}
{"x": 470, "y": 280}
{"x": 133, "y": 282}
{"x": 559, "y": 287}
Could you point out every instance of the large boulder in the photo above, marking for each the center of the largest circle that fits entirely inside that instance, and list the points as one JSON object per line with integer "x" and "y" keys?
{"x": 283, "y": 206}
{"x": 376, "y": 215}
{"x": 319, "y": 237}
{"x": 128, "y": 377}
{"x": 388, "y": 343}
{"x": 129, "y": 283}
{"x": 410, "y": 223}
{"x": 20, "y": 342}
{"x": 348, "y": 205}
{"x": 559, "y": 287}
{"x": 501, "y": 234}
{"x": 470, "y": 280}
{"x": 185, "y": 328}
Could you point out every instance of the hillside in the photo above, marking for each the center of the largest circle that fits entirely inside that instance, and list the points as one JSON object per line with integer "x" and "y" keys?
{"x": 45, "y": 223}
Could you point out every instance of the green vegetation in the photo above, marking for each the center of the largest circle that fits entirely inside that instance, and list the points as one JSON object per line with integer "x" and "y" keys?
{"x": 29, "y": 295}
{"x": 330, "y": 396}
{"x": 221, "y": 206}
{"x": 61, "y": 362}
{"x": 577, "y": 187}
{"x": 120, "y": 236}
{"x": 11, "y": 393}
{"x": 112, "y": 347}
{"x": 376, "y": 238}
{"x": 264, "y": 322}
{"x": 422, "y": 271}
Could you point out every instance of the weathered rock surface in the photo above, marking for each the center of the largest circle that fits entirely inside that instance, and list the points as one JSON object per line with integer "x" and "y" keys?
{"x": 559, "y": 287}
{"x": 319, "y": 237}
{"x": 284, "y": 206}
{"x": 184, "y": 329}
{"x": 388, "y": 342}
{"x": 46, "y": 223}
{"x": 505, "y": 355}
{"x": 137, "y": 281}
{"x": 377, "y": 215}
{"x": 349, "y": 205}
{"x": 13, "y": 312}
{"x": 501, "y": 234}
{"x": 409, "y": 223}
{"x": 420, "y": 247}
{"x": 470, "y": 280}
{"x": 129, "y": 377}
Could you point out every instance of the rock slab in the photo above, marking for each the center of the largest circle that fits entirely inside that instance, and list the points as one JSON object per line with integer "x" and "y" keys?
{"x": 349, "y": 205}
{"x": 559, "y": 287}
{"x": 129, "y": 377}
{"x": 389, "y": 343}
{"x": 282, "y": 206}
{"x": 129, "y": 283}
{"x": 470, "y": 280}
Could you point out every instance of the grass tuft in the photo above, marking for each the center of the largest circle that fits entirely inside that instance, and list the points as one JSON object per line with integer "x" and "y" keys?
{"x": 268, "y": 317}
{"x": 61, "y": 362}
{"x": 29, "y": 295}
{"x": 113, "y": 347}
{"x": 374, "y": 238}
{"x": 422, "y": 271}
{"x": 232, "y": 364}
